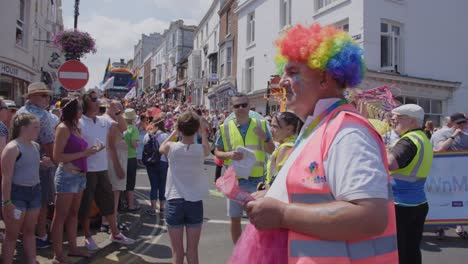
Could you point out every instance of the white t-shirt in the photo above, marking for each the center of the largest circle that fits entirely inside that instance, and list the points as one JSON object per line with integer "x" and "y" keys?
{"x": 354, "y": 168}
{"x": 186, "y": 178}
{"x": 161, "y": 138}
{"x": 93, "y": 132}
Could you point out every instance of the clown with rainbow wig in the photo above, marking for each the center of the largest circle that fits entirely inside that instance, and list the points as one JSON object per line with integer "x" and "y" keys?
{"x": 330, "y": 202}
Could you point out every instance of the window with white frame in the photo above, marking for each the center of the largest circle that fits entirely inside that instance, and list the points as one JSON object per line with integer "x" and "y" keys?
{"x": 221, "y": 63}
{"x": 249, "y": 75}
{"x": 251, "y": 28}
{"x": 323, "y": 3}
{"x": 390, "y": 46}
{"x": 285, "y": 13}
{"x": 228, "y": 61}
{"x": 432, "y": 107}
{"x": 343, "y": 25}
{"x": 228, "y": 22}
{"x": 20, "y": 24}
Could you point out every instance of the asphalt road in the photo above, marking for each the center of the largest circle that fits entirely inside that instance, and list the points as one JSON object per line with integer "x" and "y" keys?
{"x": 215, "y": 245}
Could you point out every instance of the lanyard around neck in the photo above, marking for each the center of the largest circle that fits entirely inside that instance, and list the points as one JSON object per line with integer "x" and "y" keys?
{"x": 317, "y": 121}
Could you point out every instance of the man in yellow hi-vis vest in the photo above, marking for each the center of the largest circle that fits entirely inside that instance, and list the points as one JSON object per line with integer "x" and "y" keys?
{"x": 253, "y": 134}
{"x": 410, "y": 161}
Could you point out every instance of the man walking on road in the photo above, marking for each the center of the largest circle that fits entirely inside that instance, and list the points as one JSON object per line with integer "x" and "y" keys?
{"x": 96, "y": 131}
{"x": 253, "y": 134}
{"x": 410, "y": 162}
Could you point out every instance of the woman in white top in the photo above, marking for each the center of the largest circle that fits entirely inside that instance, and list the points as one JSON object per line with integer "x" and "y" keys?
{"x": 187, "y": 185}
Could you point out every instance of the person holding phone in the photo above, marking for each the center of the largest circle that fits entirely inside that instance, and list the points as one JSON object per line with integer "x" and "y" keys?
{"x": 21, "y": 186}
{"x": 70, "y": 151}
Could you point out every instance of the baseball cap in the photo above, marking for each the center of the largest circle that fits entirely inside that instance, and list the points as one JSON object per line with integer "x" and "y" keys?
{"x": 410, "y": 110}
{"x": 458, "y": 118}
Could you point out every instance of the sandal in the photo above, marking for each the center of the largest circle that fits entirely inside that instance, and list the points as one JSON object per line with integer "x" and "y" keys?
{"x": 79, "y": 254}
{"x": 151, "y": 212}
{"x": 123, "y": 227}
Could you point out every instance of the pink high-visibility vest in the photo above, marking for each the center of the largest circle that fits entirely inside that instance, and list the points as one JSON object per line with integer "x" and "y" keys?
{"x": 307, "y": 184}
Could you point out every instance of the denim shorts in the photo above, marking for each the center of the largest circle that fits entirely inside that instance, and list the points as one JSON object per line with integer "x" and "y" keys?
{"x": 181, "y": 213}
{"x": 235, "y": 209}
{"x": 26, "y": 198}
{"x": 67, "y": 182}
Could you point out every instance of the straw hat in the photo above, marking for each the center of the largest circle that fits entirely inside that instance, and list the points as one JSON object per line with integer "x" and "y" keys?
{"x": 130, "y": 114}
{"x": 38, "y": 88}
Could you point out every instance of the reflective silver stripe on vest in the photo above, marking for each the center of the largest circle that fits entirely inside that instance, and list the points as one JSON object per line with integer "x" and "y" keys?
{"x": 312, "y": 198}
{"x": 412, "y": 177}
{"x": 253, "y": 147}
{"x": 228, "y": 136}
{"x": 355, "y": 251}
{"x": 258, "y": 124}
{"x": 315, "y": 198}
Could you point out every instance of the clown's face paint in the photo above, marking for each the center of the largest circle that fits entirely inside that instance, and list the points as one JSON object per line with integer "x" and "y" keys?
{"x": 302, "y": 87}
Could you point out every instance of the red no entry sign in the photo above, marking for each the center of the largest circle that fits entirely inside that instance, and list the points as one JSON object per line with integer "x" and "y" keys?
{"x": 73, "y": 75}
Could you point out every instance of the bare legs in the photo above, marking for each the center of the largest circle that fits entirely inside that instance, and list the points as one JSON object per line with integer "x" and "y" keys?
{"x": 177, "y": 244}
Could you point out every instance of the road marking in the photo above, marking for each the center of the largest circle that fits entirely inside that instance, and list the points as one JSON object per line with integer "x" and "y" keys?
{"x": 228, "y": 222}
{"x": 141, "y": 249}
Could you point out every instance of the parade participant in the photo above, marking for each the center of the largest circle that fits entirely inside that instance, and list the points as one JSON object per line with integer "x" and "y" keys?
{"x": 454, "y": 138}
{"x": 119, "y": 147}
{"x": 157, "y": 171}
{"x": 285, "y": 127}
{"x": 70, "y": 151}
{"x": 331, "y": 196}
{"x": 254, "y": 134}
{"x": 38, "y": 101}
{"x": 21, "y": 188}
{"x": 187, "y": 185}
{"x": 97, "y": 130}
{"x": 141, "y": 125}
{"x": 410, "y": 161}
{"x": 131, "y": 137}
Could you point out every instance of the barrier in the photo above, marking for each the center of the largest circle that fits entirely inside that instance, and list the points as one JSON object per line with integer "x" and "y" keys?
{"x": 447, "y": 189}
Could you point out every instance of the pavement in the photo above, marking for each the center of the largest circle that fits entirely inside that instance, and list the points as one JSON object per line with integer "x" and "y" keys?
{"x": 153, "y": 243}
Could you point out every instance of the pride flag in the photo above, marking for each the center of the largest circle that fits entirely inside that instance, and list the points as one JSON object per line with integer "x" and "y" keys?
{"x": 107, "y": 71}
{"x": 133, "y": 81}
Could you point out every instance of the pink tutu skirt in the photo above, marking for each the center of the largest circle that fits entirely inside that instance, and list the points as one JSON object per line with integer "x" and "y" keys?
{"x": 261, "y": 247}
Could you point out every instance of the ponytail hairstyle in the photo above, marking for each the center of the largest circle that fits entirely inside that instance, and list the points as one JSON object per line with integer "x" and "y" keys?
{"x": 20, "y": 120}
{"x": 290, "y": 119}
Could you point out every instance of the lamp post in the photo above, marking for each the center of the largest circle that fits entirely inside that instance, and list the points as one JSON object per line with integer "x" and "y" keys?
{"x": 77, "y": 13}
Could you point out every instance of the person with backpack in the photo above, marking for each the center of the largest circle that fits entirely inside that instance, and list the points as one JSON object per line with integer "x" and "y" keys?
{"x": 156, "y": 164}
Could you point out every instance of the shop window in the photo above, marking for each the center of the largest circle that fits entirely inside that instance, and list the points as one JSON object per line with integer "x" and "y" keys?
{"x": 432, "y": 107}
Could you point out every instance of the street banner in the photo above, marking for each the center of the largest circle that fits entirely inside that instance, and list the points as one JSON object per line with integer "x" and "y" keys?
{"x": 447, "y": 189}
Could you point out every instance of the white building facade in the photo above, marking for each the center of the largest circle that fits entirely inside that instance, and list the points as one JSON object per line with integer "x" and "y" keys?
{"x": 401, "y": 46}
{"x": 26, "y": 52}
{"x": 203, "y": 61}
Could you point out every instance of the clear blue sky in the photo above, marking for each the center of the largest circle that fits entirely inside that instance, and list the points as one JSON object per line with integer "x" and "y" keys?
{"x": 117, "y": 25}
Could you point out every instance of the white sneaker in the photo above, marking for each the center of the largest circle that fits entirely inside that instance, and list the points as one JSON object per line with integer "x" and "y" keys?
{"x": 90, "y": 244}
{"x": 120, "y": 238}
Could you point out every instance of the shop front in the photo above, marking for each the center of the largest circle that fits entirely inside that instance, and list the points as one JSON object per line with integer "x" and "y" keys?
{"x": 220, "y": 99}
{"x": 14, "y": 82}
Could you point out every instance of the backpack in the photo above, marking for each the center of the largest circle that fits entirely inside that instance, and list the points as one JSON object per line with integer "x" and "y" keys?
{"x": 151, "y": 155}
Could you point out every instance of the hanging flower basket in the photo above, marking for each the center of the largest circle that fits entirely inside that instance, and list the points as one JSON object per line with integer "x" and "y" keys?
{"x": 74, "y": 44}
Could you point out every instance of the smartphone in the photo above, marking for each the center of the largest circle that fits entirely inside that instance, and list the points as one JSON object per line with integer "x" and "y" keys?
{"x": 17, "y": 213}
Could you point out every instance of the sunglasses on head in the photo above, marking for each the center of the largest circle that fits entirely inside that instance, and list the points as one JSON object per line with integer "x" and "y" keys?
{"x": 244, "y": 105}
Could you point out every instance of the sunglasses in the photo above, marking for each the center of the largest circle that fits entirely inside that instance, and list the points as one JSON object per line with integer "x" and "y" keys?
{"x": 93, "y": 99}
{"x": 244, "y": 105}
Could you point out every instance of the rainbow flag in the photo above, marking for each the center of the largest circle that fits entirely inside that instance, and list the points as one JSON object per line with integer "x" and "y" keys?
{"x": 107, "y": 71}
{"x": 133, "y": 81}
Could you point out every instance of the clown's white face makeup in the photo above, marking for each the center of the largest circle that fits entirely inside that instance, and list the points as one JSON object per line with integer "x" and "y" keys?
{"x": 302, "y": 86}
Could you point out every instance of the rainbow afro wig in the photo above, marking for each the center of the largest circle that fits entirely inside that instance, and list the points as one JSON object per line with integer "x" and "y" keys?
{"x": 325, "y": 48}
